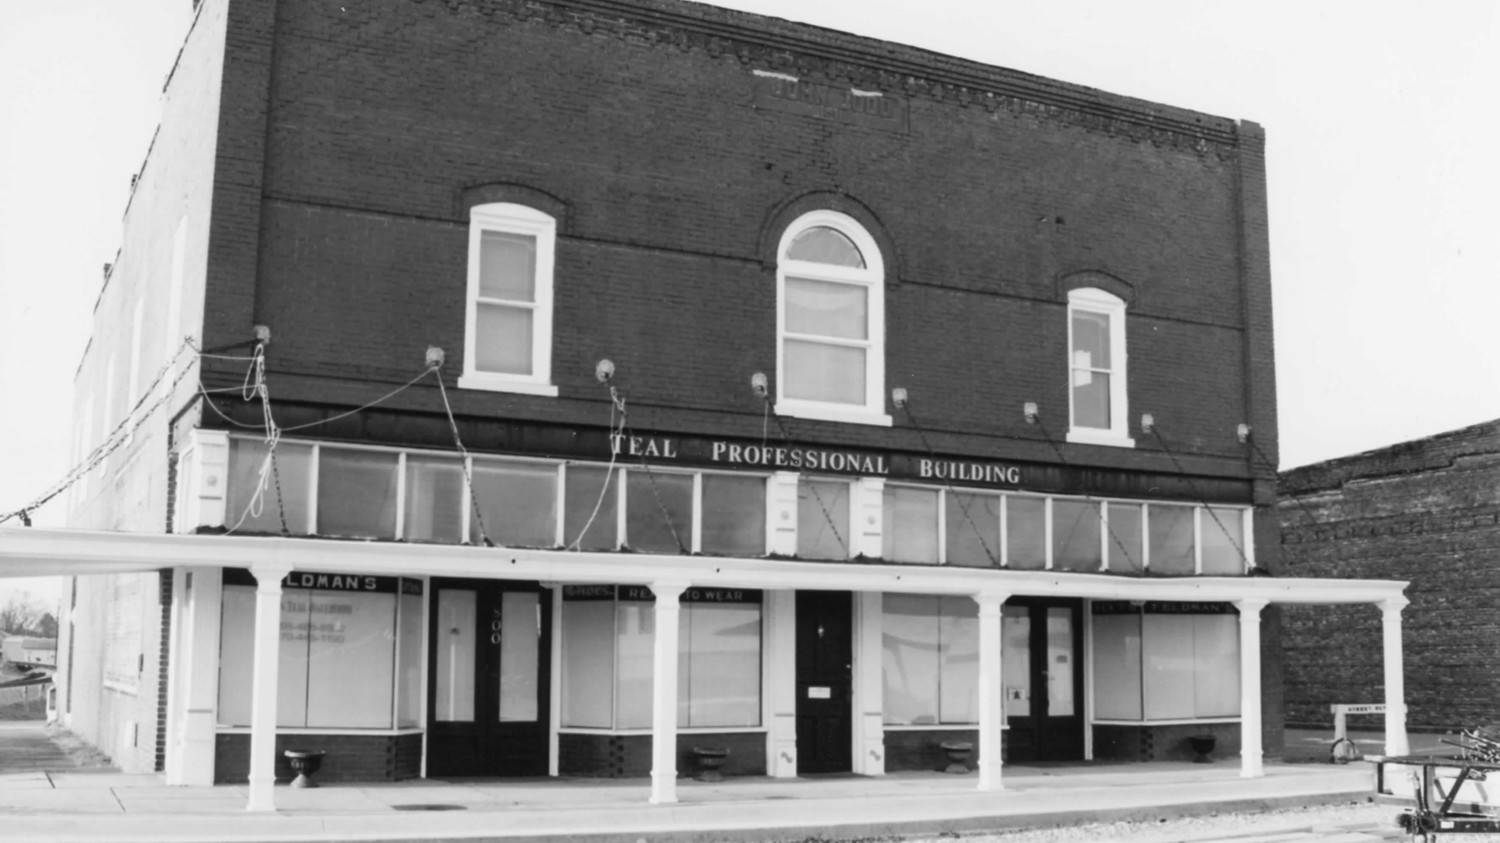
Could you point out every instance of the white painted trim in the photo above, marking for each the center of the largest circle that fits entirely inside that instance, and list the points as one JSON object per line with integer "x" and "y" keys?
{"x": 1181, "y": 721}
{"x": 513, "y": 219}
{"x": 872, "y": 279}
{"x": 309, "y": 730}
{"x": 1093, "y": 300}
{"x": 39, "y": 551}
{"x": 554, "y": 690}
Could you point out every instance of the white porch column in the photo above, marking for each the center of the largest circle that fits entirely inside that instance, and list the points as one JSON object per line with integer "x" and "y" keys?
{"x": 991, "y": 692}
{"x": 780, "y": 674}
{"x": 194, "y": 666}
{"x": 664, "y": 692}
{"x": 781, "y": 513}
{"x": 869, "y": 684}
{"x": 1251, "y": 749}
{"x": 1395, "y": 678}
{"x": 263, "y": 686}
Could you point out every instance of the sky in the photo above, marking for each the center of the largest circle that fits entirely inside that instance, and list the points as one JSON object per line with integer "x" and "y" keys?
{"x": 1383, "y": 171}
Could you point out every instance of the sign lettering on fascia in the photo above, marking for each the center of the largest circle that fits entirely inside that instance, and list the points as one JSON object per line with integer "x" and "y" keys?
{"x": 723, "y": 452}
{"x": 786, "y": 93}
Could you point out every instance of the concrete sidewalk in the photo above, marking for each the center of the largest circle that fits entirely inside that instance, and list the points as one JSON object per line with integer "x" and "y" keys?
{"x": 105, "y": 806}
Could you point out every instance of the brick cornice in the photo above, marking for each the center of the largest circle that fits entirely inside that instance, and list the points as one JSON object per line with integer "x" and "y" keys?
{"x": 809, "y": 51}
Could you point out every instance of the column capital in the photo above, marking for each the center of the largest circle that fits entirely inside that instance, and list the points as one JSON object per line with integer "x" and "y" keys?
{"x": 1251, "y": 606}
{"x": 269, "y": 574}
{"x": 668, "y": 590}
{"x": 1394, "y": 605}
{"x": 990, "y": 600}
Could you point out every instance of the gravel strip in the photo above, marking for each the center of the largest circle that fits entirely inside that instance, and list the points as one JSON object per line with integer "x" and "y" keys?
{"x": 1363, "y": 816}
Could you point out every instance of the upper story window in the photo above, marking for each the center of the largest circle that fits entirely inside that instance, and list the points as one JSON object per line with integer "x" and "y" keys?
{"x": 508, "y": 321}
{"x": 1096, "y": 368}
{"x": 830, "y": 321}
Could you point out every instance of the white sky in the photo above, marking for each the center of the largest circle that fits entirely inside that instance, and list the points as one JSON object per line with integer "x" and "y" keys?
{"x": 1384, "y": 173}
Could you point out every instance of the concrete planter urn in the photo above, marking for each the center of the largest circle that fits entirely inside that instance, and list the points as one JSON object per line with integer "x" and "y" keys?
{"x": 710, "y": 759}
{"x": 305, "y": 762}
{"x": 1202, "y": 745}
{"x": 959, "y": 753}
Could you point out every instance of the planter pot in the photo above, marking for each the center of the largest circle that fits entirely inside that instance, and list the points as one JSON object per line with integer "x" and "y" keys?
{"x": 959, "y": 753}
{"x": 709, "y": 760}
{"x": 305, "y": 762}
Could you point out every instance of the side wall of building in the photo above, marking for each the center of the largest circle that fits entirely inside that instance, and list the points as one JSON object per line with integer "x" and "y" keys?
{"x": 1426, "y": 511}
{"x": 136, "y": 373}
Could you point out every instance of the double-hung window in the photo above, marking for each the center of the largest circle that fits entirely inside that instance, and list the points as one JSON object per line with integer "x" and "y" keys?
{"x": 508, "y": 322}
{"x": 1096, "y": 369}
{"x": 830, "y": 321}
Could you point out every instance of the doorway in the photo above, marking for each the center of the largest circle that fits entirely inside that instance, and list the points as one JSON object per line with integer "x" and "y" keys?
{"x": 825, "y": 681}
{"x": 1041, "y": 663}
{"x": 489, "y": 655}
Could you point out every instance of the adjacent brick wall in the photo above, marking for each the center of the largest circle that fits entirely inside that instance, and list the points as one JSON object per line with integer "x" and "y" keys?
{"x": 1426, "y": 511}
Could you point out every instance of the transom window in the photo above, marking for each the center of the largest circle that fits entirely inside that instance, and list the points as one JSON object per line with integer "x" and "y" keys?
{"x": 1096, "y": 368}
{"x": 508, "y": 323}
{"x": 830, "y": 321}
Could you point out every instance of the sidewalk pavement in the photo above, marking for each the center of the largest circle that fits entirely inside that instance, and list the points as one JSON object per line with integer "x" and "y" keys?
{"x": 89, "y": 806}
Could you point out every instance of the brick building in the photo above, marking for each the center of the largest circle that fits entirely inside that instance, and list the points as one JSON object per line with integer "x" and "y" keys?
{"x": 568, "y": 385}
{"x": 1426, "y": 511}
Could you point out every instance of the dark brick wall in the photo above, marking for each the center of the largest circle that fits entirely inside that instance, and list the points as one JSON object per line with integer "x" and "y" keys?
{"x": 629, "y": 756}
{"x": 907, "y": 749}
{"x": 350, "y": 758}
{"x": 1428, "y": 512}
{"x": 1164, "y": 743}
{"x": 675, "y": 174}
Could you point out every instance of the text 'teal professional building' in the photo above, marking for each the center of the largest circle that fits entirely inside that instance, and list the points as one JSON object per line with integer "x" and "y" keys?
{"x": 517, "y": 387}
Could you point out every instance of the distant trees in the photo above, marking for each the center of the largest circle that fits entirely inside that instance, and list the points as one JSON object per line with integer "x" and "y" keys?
{"x": 24, "y": 614}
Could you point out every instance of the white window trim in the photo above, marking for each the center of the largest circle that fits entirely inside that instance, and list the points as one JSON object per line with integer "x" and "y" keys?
{"x": 1092, "y": 300}
{"x": 513, "y": 219}
{"x": 872, "y": 278}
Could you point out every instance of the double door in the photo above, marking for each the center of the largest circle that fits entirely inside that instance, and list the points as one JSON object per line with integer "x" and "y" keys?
{"x": 489, "y": 646}
{"x": 1042, "y": 679}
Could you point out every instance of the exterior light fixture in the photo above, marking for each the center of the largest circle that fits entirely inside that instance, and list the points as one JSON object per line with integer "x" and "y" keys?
{"x": 604, "y": 370}
{"x": 1148, "y": 423}
{"x": 758, "y": 384}
{"x": 435, "y": 357}
{"x": 1030, "y": 411}
{"x": 898, "y": 396}
{"x": 1242, "y": 432}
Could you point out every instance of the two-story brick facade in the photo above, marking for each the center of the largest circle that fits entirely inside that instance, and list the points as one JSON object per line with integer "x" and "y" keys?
{"x": 572, "y": 384}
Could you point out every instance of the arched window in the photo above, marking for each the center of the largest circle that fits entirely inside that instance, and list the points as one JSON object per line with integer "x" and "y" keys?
{"x": 1096, "y": 368}
{"x": 830, "y": 321}
{"x": 508, "y": 319}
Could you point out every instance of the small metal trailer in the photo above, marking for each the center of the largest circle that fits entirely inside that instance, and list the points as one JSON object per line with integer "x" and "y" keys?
{"x": 1444, "y": 794}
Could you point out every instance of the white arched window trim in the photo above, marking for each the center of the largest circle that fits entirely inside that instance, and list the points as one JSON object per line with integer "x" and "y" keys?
{"x": 871, "y": 410}
{"x": 1117, "y": 431}
{"x": 509, "y": 218}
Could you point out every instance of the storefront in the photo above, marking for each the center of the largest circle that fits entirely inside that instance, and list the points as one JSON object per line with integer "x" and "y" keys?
{"x": 852, "y": 620}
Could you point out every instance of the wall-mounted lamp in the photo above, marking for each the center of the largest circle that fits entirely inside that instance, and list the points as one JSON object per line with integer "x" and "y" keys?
{"x": 1148, "y": 422}
{"x": 758, "y": 384}
{"x": 263, "y": 334}
{"x": 1029, "y": 410}
{"x": 435, "y": 357}
{"x": 1242, "y": 432}
{"x": 604, "y": 370}
{"x": 898, "y": 397}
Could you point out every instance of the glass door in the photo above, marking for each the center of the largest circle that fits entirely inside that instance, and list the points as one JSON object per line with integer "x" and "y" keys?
{"x": 1041, "y": 649}
{"x": 489, "y": 645}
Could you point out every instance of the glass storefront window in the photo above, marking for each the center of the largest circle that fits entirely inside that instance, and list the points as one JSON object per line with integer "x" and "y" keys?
{"x": 1075, "y": 535}
{"x": 607, "y": 658}
{"x": 734, "y": 515}
{"x": 589, "y": 515}
{"x": 973, "y": 529}
{"x": 823, "y": 519}
{"x": 436, "y": 508}
{"x": 1123, "y": 544}
{"x": 658, "y": 511}
{"x": 911, "y": 524}
{"x": 1223, "y": 541}
{"x": 931, "y": 659}
{"x": 1171, "y": 536}
{"x": 1026, "y": 532}
{"x": 286, "y": 491}
{"x": 1152, "y": 662}
{"x": 518, "y": 502}
{"x": 356, "y": 493}
{"x": 337, "y": 656}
